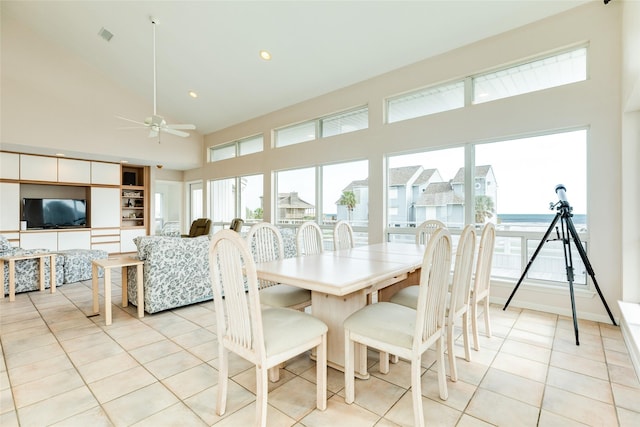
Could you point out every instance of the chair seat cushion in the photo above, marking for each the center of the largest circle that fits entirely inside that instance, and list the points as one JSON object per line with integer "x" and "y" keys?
{"x": 284, "y": 295}
{"x": 285, "y": 328}
{"x": 384, "y": 321}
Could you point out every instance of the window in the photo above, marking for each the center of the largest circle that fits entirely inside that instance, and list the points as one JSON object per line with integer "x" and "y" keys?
{"x": 426, "y": 101}
{"x": 295, "y": 196}
{"x": 195, "y": 201}
{"x": 345, "y": 193}
{"x": 237, "y": 148}
{"x": 228, "y": 203}
{"x": 427, "y": 185}
{"x": 335, "y": 124}
{"x": 557, "y": 70}
{"x": 345, "y": 122}
{"x": 517, "y": 195}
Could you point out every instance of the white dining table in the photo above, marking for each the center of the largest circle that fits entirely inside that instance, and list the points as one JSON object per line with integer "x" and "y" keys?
{"x": 340, "y": 281}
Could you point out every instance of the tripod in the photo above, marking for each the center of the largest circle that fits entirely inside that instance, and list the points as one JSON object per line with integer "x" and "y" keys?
{"x": 568, "y": 232}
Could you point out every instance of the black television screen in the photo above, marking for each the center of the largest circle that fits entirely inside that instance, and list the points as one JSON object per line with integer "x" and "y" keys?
{"x": 54, "y": 213}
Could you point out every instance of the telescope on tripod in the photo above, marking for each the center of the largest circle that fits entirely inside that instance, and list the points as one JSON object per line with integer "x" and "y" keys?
{"x": 566, "y": 233}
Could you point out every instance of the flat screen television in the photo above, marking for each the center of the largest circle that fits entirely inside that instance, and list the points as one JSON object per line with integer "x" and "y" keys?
{"x": 54, "y": 213}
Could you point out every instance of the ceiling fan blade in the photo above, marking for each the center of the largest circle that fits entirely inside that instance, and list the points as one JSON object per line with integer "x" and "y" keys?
{"x": 175, "y": 132}
{"x": 184, "y": 126}
{"x": 131, "y": 127}
{"x": 132, "y": 121}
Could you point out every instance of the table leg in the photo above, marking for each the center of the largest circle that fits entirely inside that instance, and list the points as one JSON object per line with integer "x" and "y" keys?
{"x": 53, "y": 272}
{"x": 2, "y": 277}
{"x": 125, "y": 287}
{"x": 12, "y": 280}
{"x": 107, "y": 295}
{"x": 333, "y": 310}
{"x": 140, "y": 285}
{"x": 41, "y": 269}
{"x": 94, "y": 285}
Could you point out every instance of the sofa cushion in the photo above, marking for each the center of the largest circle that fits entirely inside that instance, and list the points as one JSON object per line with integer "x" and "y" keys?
{"x": 5, "y": 246}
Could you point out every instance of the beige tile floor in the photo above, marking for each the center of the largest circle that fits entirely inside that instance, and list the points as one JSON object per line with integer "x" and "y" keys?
{"x": 62, "y": 367}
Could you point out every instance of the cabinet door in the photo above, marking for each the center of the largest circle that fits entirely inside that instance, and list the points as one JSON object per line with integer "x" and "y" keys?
{"x": 76, "y": 171}
{"x": 74, "y": 240}
{"x": 39, "y": 240}
{"x": 105, "y": 173}
{"x": 38, "y": 168}
{"x": 105, "y": 207}
{"x": 10, "y": 201}
{"x": 9, "y": 165}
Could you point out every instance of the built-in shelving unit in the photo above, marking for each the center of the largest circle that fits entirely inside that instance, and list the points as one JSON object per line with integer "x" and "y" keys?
{"x": 134, "y": 207}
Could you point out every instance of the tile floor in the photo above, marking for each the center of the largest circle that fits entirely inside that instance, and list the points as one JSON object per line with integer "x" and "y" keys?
{"x": 62, "y": 367}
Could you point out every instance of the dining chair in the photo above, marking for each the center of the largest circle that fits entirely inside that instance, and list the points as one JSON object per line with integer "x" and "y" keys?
{"x": 266, "y": 244}
{"x": 342, "y": 235}
{"x": 394, "y": 328}
{"x": 482, "y": 281}
{"x": 265, "y": 336}
{"x": 309, "y": 239}
{"x": 426, "y": 229}
{"x": 457, "y": 298}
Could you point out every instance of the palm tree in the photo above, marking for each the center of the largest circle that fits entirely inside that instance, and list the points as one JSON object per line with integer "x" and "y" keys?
{"x": 484, "y": 209}
{"x": 348, "y": 199}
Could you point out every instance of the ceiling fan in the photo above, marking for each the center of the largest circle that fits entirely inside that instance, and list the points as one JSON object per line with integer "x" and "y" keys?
{"x": 157, "y": 124}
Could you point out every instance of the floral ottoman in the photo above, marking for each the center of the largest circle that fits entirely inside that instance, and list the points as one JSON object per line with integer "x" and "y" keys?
{"x": 77, "y": 263}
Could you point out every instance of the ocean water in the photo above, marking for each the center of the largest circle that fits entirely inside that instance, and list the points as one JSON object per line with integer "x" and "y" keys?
{"x": 522, "y": 219}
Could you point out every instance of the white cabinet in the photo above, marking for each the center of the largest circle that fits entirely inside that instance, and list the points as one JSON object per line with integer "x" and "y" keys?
{"x": 39, "y": 240}
{"x": 105, "y": 207}
{"x": 10, "y": 202}
{"x": 105, "y": 173}
{"x": 107, "y": 239}
{"x": 76, "y": 171}
{"x": 9, "y": 165}
{"x": 38, "y": 168}
{"x": 80, "y": 239}
{"x": 126, "y": 239}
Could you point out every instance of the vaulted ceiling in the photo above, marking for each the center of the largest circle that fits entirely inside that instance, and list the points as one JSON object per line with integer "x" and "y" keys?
{"x": 212, "y": 47}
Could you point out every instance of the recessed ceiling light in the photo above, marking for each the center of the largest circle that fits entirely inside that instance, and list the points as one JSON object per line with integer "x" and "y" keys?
{"x": 193, "y": 94}
{"x": 265, "y": 55}
{"x": 124, "y": 161}
{"x": 60, "y": 154}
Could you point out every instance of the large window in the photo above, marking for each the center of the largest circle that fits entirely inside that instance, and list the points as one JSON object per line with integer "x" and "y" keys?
{"x": 426, "y": 185}
{"x": 526, "y": 172}
{"x": 295, "y": 196}
{"x": 237, "y": 197}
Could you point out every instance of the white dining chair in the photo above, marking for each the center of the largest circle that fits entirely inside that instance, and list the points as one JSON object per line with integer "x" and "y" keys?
{"x": 266, "y": 244}
{"x": 342, "y": 235}
{"x": 394, "y": 328}
{"x": 309, "y": 239}
{"x": 426, "y": 229}
{"x": 265, "y": 336}
{"x": 457, "y": 299}
{"x": 482, "y": 282}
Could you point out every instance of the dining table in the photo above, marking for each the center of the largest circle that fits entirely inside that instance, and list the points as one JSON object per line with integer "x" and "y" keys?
{"x": 342, "y": 282}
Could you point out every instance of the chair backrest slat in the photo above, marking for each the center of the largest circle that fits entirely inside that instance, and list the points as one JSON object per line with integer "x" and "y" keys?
{"x": 309, "y": 239}
{"x": 342, "y": 236}
{"x": 463, "y": 269}
{"x": 426, "y": 229}
{"x": 485, "y": 258}
{"x": 266, "y": 244}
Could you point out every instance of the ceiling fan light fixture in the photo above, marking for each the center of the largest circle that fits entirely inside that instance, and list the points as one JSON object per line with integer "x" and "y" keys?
{"x": 193, "y": 94}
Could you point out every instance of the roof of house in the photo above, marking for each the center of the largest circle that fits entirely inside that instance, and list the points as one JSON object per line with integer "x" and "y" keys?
{"x": 438, "y": 194}
{"x": 402, "y": 175}
{"x": 425, "y": 176}
{"x": 293, "y": 201}
{"x": 481, "y": 171}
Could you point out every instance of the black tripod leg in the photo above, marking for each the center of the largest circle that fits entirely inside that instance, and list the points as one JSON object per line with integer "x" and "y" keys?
{"x": 535, "y": 254}
{"x": 568, "y": 260}
{"x": 587, "y": 264}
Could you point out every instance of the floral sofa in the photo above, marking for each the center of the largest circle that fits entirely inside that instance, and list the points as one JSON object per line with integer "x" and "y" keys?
{"x": 176, "y": 270}
{"x": 71, "y": 266}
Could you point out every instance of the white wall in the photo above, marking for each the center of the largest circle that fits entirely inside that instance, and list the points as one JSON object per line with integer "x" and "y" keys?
{"x": 52, "y": 102}
{"x": 594, "y": 103}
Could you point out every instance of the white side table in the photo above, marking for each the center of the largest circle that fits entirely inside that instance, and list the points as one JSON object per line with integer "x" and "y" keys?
{"x": 108, "y": 264}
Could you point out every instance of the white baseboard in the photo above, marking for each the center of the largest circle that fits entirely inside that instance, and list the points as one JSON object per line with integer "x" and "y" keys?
{"x": 630, "y": 327}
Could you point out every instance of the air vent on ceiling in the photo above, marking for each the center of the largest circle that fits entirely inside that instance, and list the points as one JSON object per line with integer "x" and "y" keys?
{"x": 105, "y": 34}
